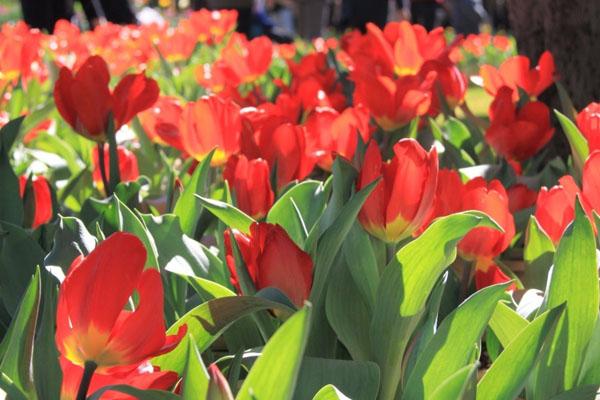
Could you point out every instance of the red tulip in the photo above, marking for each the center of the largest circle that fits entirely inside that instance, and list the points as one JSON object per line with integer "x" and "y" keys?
{"x": 248, "y": 60}
{"x": 515, "y": 73}
{"x": 211, "y": 26}
{"x": 85, "y": 101}
{"x": 42, "y": 198}
{"x": 487, "y": 274}
{"x": 394, "y": 103}
{"x": 208, "y": 123}
{"x": 591, "y": 183}
{"x": 128, "y": 165}
{"x": 92, "y": 324}
{"x": 448, "y": 196}
{"x": 272, "y": 260}
{"x": 218, "y": 387}
{"x": 144, "y": 377}
{"x": 555, "y": 207}
{"x": 330, "y": 133}
{"x": 588, "y": 121}
{"x": 520, "y": 197}
{"x": 250, "y": 183}
{"x": 518, "y": 134}
{"x": 161, "y": 122}
{"x": 492, "y": 199}
{"x": 449, "y": 81}
{"x": 391, "y": 212}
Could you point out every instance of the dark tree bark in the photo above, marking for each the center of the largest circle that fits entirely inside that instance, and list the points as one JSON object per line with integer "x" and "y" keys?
{"x": 570, "y": 29}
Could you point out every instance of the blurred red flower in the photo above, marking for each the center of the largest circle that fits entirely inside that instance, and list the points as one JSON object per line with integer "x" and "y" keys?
{"x": 39, "y": 188}
{"x": 250, "y": 183}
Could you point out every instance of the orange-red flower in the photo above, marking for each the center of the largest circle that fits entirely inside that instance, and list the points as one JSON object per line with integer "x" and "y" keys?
{"x": 492, "y": 199}
{"x": 211, "y": 26}
{"x": 487, "y": 273}
{"x": 272, "y": 260}
{"x": 144, "y": 377}
{"x": 208, "y": 123}
{"x": 128, "y": 165}
{"x": 588, "y": 122}
{"x": 391, "y": 212}
{"x": 248, "y": 60}
{"x": 86, "y": 103}
{"x": 42, "y": 198}
{"x": 520, "y": 197}
{"x": 92, "y": 324}
{"x": 394, "y": 102}
{"x": 250, "y": 183}
{"x": 518, "y": 134}
{"x": 448, "y": 196}
{"x": 161, "y": 122}
{"x": 330, "y": 133}
{"x": 449, "y": 82}
{"x": 515, "y": 73}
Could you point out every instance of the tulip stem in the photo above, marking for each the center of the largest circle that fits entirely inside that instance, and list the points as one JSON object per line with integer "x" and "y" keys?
{"x": 102, "y": 165}
{"x": 88, "y": 371}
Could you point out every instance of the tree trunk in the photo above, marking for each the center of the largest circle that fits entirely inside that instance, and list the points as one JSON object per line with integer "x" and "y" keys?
{"x": 570, "y": 29}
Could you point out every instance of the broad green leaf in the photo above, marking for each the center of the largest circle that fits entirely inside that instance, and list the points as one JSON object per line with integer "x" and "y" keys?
{"x": 574, "y": 280}
{"x": 11, "y": 209}
{"x": 358, "y": 380}
{"x": 19, "y": 256}
{"x": 458, "y": 133}
{"x": 587, "y": 392}
{"x": 228, "y": 214}
{"x": 9, "y": 389}
{"x": 71, "y": 240}
{"x": 306, "y": 198}
{"x": 538, "y": 253}
{"x": 135, "y": 393}
{"x": 506, "y": 377}
{"x": 275, "y": 372}
{"x": 590, "y": 369}
{"x": 507, "y": 324}
{"x": 187, "y": 207}
{"x": 405, "y": 285}
{"x": 450, "y": 348}
{"x": 18, "y": 342}
{"x": 456, "y": 385}
{"x": 195, "y": 376}
{"x": 362, "y": 263}
{"x": 330, "y": 392}
{"x": 208, "y": 321}
{"x": 579, "y": 145}
{"x": 351, "y": 327}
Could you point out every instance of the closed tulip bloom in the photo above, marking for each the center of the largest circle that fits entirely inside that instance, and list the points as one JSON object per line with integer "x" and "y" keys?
{"x": 92, "y": 324}
{"x": 128, "y": 164}
{"x": 402, "y": 200}
{"x": 250, "y": 182}
{"x": 518, "y": 134}
{"x": 520, "y": 197}
{"x": 449, "y": 81}
{"x": 161, "y": 122}
{"x": 42, "y": 199}
{"x": 588, "y": 122}
{"x": 144, "y": 377}
{"x": 208, "y": 123}
{"x": 448, "y": 196}
{"x": 272, "y": 260}
{"x": 86, "y": 103}
{"x": 492, "y": 199}
{"x": 487, "y": 273}
{"x": 555, "y": 207}
{"x": 394, "y": 102}
{"x": 591, "y": 182}
{"x": 515, "y": 72}
{"x": 218, "y": 387}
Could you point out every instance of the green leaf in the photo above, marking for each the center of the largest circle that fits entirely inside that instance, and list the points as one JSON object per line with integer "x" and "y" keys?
{"x": 208, "y": 321}
{"x": 352, "y": 327}
{"x": 10, "y": 389}
{"x": 362, "y": 263}
{"x": 507, "y": 324}
{"x": 306, "y": 198}
{"x": 458, "y": 133}
{"x": 71, "y": 239}
{"x": 18, "y": 342}
{"x": 574, "y": 280}
{"x": 356, "y": 379}
{"x": 330, "y": 392}
{"x": 590, "y": 368}
{"x": 135, "y": 393}
{"x": 506, "y": 377}
{"x": 19, "y": 256}
{"x": 538, "y": 253}
{"x": 588, "y": 392}
{"x": 275, "y": 372}
{"x": 456, "y": 385}
{"x": 579, "y": 145}
{"x": 405, "y": 286}
{"x": 187, "y": 208}
{"x": 11, "y": 209}
{"x": 450, "y": 348}
{"x": 195, "y": 376}
{"x": 228, "y": 214}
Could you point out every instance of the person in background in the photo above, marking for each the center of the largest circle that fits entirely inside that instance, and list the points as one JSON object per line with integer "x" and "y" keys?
{"x": 466, "y": 15}
{"x": 356, "y": 13}
{"x": 423, "y": 12}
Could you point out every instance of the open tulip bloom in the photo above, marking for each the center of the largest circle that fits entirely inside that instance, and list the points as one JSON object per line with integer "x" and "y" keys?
{"x": 190, "y": 213}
